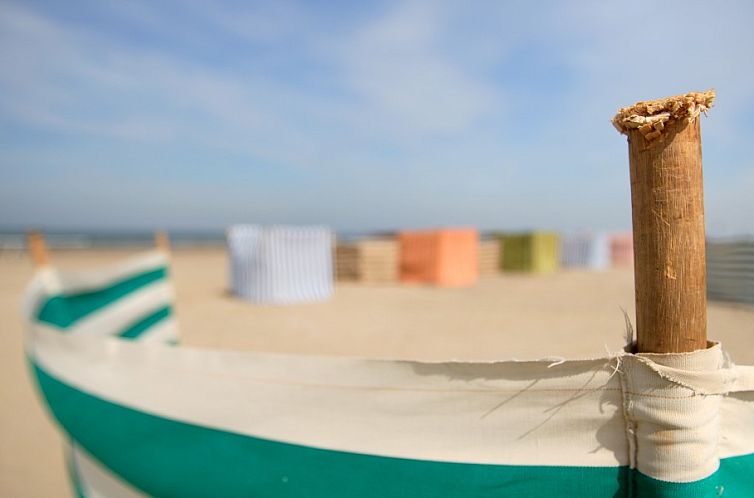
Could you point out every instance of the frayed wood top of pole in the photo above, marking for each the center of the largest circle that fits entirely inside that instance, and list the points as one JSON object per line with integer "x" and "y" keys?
{"x": 40, "y": 255}
{"x": 651, "y": 117}
{"x": 667, "y": 203}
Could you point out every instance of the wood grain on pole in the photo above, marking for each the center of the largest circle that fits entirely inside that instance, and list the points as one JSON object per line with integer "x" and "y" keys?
{"x": 40, "y": 256}
{"x": 669, "y": 240}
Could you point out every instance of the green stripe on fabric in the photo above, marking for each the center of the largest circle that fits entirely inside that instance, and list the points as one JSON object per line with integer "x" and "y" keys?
{"x": 711, "y": 487}
{"x": 64, "y": 310}
{"x": 141, "y": 326}
{"x": 167, "y": 458}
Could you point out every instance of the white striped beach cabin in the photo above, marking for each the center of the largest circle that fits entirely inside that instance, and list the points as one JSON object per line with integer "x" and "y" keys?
{"x": 585, "y": 250}
{"x": 281, "y": 265}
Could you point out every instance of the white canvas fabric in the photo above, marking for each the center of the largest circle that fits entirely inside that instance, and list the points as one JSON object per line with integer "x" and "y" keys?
{"x": 659, "y": 415}
{"x": 281, "y": 265}
{"x": 142, "y": 414}
{"x": 154, "y": 294}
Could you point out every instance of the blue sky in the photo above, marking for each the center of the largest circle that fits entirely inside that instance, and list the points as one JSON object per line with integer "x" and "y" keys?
{"x": 196, "y": 115}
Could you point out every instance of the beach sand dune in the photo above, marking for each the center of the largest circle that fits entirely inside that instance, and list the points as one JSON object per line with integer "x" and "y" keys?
{"x": 569, "y": 314}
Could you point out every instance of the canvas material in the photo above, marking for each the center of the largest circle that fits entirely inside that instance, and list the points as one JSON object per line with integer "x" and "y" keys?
{"x": 585, "y": 421}
{"x": 113, "y": 301}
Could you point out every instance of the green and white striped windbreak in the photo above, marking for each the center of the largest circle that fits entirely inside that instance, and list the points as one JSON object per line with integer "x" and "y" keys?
{"x": 148, "y": 419}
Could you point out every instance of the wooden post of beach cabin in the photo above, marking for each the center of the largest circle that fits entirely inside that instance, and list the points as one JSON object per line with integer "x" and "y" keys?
{"x": 40, "y": 256}
{"x": 665, "y": 157}
{"x": 162, "y": 241}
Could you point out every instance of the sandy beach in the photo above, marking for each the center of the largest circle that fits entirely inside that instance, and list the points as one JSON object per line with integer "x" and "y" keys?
{"x": 568, "y": 314}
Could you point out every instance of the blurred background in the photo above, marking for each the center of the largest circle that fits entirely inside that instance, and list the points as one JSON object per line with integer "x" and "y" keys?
{"x": 195, "y": 115}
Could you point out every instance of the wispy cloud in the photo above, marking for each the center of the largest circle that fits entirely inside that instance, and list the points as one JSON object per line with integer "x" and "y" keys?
{"x": 393, "y": 114}
{"x": 397, "y": 66}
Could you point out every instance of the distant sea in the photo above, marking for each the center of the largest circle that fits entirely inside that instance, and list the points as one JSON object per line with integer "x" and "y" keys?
{"x": 85, "y": 239}
{"x": 11, "y": 239}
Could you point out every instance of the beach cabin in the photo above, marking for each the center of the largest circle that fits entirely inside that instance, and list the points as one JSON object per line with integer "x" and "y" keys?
{"x": 281, "y": 265}
{"x": 489, "y": 257}
{"x": 585, "y": 250}
{"x": 622, "y": 249}
{"x": 445, "y": 258}
{"x": 730, "y": 270}
{"x": 537, "y": 252}
{"x": 368, "y": 261}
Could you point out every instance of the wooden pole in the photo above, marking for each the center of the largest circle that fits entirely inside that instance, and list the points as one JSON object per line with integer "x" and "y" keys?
{"x": 162, "y": 241}
{"x": 37, "y": 246}
{"x": 665, "y": 157}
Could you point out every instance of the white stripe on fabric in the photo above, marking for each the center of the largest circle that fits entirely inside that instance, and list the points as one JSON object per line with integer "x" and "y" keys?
{"x": 745, "y": 378}
{"x": 737, "y": 421}
{"x": 122, "y": 313}
{"x": 673, "y": 405}
{"x": 97, "y": 481}
{"x": 498, "y": 413}
{"x": 44, "y": 284}
{"x": 50, "y": 281}
{"x": 165, "y": 331}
